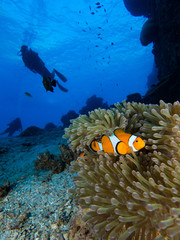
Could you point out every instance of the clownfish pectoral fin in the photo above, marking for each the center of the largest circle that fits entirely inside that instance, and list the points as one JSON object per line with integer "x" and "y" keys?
{"x": 94, "y": 146}
{"x": 122, "y": 148}
{"x": 118, "y": 132}
{"x": 107, "y": 144}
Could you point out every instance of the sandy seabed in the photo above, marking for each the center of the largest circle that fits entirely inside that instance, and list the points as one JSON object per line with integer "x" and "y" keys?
{"x": 39, "y": 205}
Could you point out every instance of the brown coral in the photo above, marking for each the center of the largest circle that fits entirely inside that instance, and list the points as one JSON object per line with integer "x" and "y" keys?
{"x": 133, "y": 196}
{"x": 47, "y": 161}
{"x": 67, "y": 155}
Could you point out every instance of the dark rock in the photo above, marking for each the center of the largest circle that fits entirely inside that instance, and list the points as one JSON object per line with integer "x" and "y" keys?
{"x": 31, "y": 131}
{"x": 4, "y": 189}
{"x": 139, "y": 7}
{"x": 135, "y": 97}
{"x": 93, "y": 103}
{"x": 3, "y": 150}
{"x": 148, "y": 32}
{"x": 65, "y": 119}
{"x": 152, "y": 77}
{"x": 50, "y": 126}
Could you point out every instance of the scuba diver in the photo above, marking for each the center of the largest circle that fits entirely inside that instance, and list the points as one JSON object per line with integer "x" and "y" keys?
{"x": 36, "y": 65}
{"x": 13, "y": 126}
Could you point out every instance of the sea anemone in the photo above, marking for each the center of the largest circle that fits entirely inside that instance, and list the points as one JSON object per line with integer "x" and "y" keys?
{"x": 132, "y": 196}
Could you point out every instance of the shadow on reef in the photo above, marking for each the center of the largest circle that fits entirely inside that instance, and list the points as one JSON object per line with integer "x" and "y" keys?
{"x": 161, "y": 28}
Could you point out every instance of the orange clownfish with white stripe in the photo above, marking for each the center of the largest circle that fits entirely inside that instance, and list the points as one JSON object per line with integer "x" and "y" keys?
{"x": 120, "y": 143}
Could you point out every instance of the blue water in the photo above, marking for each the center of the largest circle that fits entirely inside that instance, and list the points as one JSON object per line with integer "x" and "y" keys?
{"x": 65, "y": 35}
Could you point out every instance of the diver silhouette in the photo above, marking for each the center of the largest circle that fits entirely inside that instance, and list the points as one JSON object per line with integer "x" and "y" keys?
{"x": 36, "y": 65}
{"x": 14, "y": 126}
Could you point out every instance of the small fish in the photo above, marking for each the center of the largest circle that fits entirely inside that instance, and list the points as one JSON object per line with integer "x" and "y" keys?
{"x": 98, "y": 7}
{"x": 98, "y": 3}
{"x": 92, "y": 13}
{"x": 82, "y": 156}
{"x": 28, "y": 94}
{"x": 120, "y": 143}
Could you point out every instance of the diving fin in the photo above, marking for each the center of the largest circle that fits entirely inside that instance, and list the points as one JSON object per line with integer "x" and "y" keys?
{"x": 61, "y": 87}
{"x": 62, "y": 77}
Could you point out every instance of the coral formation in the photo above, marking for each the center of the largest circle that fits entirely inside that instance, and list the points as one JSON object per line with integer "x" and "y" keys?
{"x": 148, "y": 32}
{"x": 92, "y": 103}
{"x": 31, "y": 131}
{"x": 78, "y": 229}
{"x": 65, "y": 119}
{"x": 50, "y": 126}
{"x": 161, "y": 29}
{"x": 67, "y": 155}
{"x": 47, "y": 161}
{"x": 130, "y": 196}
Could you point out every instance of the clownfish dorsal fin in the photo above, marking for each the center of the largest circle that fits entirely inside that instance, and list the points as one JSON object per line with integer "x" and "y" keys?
{"x": 118, "y": 132}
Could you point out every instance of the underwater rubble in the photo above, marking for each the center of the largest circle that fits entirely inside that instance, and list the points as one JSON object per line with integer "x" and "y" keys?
{"x": 35, "y": 204}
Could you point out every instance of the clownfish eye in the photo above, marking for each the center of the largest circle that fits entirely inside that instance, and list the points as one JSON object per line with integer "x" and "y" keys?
{"x": 136, "y": 140}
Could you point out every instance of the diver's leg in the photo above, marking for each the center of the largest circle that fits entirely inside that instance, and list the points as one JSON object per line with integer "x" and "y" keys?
{"x": 60, "y": 76}
{"x": 61, "y": 87}
{"x": 53, "y": 74}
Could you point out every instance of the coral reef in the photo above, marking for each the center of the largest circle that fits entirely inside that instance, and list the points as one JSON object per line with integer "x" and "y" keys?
{"x": 47, "y": 161}
{"x": 130, "y": 196}
{"x": 148, "y": 32}
{"x": 92, "y": 103}
{"x": 152, "y": 77}
{"x": 67, "y": 155}
{"x": 134, "y": 97}
{"x": 139, "y": 7}
{"x": 31, "y": 131}
{"x": 78, "y": 229}
{"x": 161, "y": 29}
{"x": 65, "y": 119}
{"x": 50, "y": 126}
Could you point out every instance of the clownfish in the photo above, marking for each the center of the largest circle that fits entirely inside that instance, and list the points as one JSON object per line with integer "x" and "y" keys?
{"x": 120, "y": 143}
{"x": 82, "y": 156}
